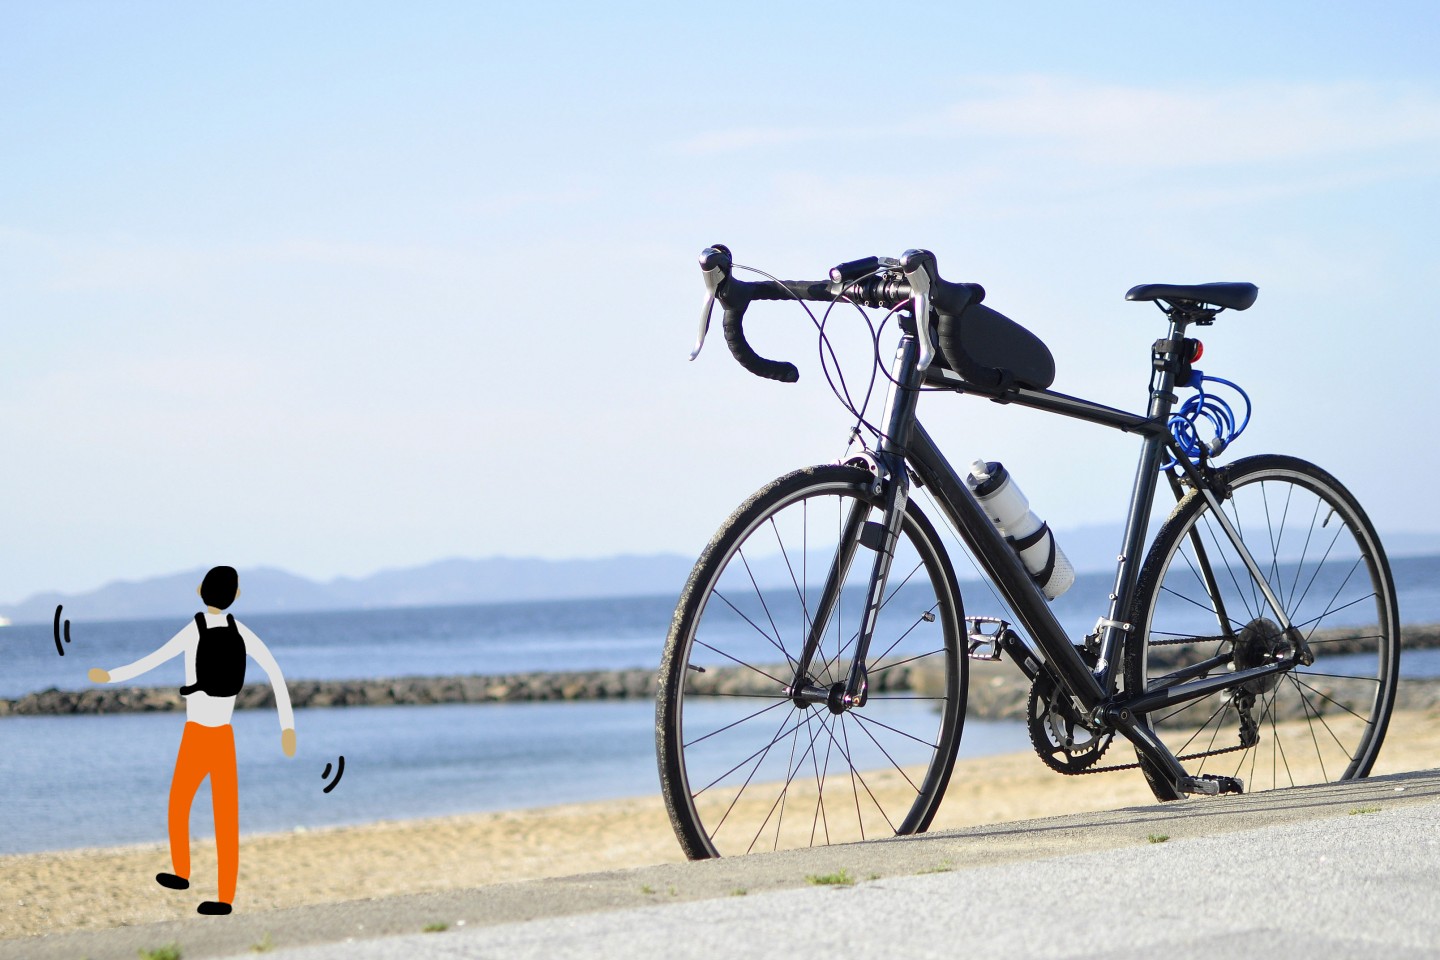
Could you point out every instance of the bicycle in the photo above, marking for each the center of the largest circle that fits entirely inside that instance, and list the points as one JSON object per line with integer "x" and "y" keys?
{"x": 1255, "y": 637}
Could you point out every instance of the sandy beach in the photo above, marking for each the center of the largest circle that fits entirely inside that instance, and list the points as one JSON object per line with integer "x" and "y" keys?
{"x": 95, "y": 888}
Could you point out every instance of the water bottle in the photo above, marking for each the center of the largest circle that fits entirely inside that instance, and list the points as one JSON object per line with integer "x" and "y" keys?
{"x": 1008, "y": 509}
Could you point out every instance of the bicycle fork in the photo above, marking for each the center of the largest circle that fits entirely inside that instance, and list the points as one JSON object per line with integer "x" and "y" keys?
{"x": 881, "y": 537}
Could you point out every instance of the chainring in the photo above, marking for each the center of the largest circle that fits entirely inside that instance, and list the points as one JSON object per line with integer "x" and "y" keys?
{"x": 1065, "y": 742}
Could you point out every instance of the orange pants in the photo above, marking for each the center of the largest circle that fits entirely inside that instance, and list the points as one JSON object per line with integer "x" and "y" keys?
{"x": 207, "y": 751}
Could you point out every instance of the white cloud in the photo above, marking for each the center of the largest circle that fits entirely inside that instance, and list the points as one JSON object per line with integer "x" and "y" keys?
{"x": 1109, "y": 124}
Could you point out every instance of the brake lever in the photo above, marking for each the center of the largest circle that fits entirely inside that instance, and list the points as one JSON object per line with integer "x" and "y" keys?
{"x": 715, "y": 267}
{"x": 919, "y": 267}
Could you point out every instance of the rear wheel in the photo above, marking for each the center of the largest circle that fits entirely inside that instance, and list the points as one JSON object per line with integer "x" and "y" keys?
{"x": 1319, "y": 555}
{"x": 743, "y": 766}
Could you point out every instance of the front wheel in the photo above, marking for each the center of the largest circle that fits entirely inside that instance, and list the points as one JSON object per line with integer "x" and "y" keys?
{"x": 1197, "y": 601}
{"x": 746, "y": 767}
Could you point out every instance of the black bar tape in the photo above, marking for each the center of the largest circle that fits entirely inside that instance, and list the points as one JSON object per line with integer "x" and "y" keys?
{"x": 748, "y": 358}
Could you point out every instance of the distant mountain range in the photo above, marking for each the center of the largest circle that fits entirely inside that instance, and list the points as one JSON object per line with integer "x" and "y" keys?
{"x": 495, "y": 580}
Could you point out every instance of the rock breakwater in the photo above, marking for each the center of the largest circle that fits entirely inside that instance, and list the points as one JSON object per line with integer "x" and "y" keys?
{"x": 997, "y": 690}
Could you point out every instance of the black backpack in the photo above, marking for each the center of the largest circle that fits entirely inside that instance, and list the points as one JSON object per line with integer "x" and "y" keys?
{"x": 219, "y": 660}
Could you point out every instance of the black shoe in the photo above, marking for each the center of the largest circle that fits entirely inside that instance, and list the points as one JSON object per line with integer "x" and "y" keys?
{"x": 213, "y": 908}
{"x": 172, "y": 881}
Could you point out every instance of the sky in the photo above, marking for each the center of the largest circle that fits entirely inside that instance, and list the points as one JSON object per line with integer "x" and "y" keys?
{"x": 341, "y": 287}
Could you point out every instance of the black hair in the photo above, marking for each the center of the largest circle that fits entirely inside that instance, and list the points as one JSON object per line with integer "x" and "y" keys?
{"x": 219, "y": 587}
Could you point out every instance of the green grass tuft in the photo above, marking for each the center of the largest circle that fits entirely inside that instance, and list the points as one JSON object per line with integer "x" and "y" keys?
{"x": 1159, "y": 837}
{"x": 944, "y": 866}
{"x": 436, "y": 927}
{"x": 1364, "y": 810}
{"x": 264, "y": 946}
{"x": 840, "y": 878}
{"x": 738, "y": 892}
{"x": 171, "y": 951}
{"x": 646, "y": 888}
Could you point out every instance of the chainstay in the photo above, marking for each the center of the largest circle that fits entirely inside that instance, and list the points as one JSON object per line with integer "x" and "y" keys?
{"x": 1136, "y": 766}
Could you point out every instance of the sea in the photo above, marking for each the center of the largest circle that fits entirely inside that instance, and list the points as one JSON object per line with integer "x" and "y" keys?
{"x": 91, "y": 781}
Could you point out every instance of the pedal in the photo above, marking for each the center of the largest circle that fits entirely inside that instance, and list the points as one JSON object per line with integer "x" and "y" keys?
{"x": 1212, "y": 785}
{"x": 982, "y": 645}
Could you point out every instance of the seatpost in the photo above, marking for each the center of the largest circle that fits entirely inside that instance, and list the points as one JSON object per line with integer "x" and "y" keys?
{"x": 900, "y": 401}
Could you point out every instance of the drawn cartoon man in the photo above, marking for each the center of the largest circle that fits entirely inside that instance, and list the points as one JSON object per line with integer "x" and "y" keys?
{"x": 215, "y": 646}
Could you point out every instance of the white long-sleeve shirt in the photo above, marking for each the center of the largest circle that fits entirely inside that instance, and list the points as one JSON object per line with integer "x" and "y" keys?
{"x": 200, "y": 707}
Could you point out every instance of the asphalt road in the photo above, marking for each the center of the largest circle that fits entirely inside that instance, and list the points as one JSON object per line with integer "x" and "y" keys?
{"x": 1277, "y": 874}
{"x": 1363, "y": 887}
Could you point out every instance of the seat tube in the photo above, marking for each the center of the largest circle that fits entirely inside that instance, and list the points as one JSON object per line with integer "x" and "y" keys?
{"x": 899, "y": 414}
{"x": 1137, "y": 522}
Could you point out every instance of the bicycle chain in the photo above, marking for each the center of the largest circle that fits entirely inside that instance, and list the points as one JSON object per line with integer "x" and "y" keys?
{"x": 1179, "y": 640}
{"x": 1136, "y": 766}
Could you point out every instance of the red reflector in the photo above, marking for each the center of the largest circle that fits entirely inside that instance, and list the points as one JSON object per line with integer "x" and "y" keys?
{"x": 1199, "y": 351}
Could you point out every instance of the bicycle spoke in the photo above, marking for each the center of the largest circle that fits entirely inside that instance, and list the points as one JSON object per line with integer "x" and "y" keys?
{"x": 1321, "y": 717}
{"x": 1323, "y": 696}
{"x": 908, "y": 630}
{"x": 898, "y": 769}
{"x": 735, "y": 724}
{"x": 763, "y": 750}
{"x": 864, "y": 720}
{"x": 748, "y": 666}
{"x": 783, "y": 553}
{"x": 1320, "y": 564}
{"x": 845, "y": 751}
{"x": 1330, "y": 606}
{"x": 759, "y": 595}
{"x": 1316, "y": 620}
{"x": 919, "y": 656}
{"x": 1201, "y": 729}
{"x": 1210, "y": 609}
{"x": 736, "y": 799}
{"x": 1309, "y": 534}
{"x": 773, "y": 642}
{"x": 1304, "y": 705}
{"x": 784, "y": 792}
{"x": 1337, "y": 676}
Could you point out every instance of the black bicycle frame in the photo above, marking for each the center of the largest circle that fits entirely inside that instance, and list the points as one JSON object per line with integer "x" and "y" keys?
{"x": 906, "y": 442}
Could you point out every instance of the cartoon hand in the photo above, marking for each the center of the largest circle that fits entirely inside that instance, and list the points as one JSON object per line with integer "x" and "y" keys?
{"x": 99, "y": 676}
{"x": 287, "y": 742}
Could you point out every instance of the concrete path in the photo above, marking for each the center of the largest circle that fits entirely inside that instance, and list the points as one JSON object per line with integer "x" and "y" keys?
{"x": 1278, "y": 874}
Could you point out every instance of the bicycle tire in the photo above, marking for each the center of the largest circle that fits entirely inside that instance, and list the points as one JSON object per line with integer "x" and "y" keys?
{"x": 928, "y": 694}
{"x": 1350, "y": 620}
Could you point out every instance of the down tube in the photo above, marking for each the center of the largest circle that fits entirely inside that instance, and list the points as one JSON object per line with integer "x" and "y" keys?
{"x": 1002, "y": 565}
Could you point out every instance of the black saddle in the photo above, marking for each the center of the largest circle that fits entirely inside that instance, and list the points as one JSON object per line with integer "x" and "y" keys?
{"x": 1235, "y": 296}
